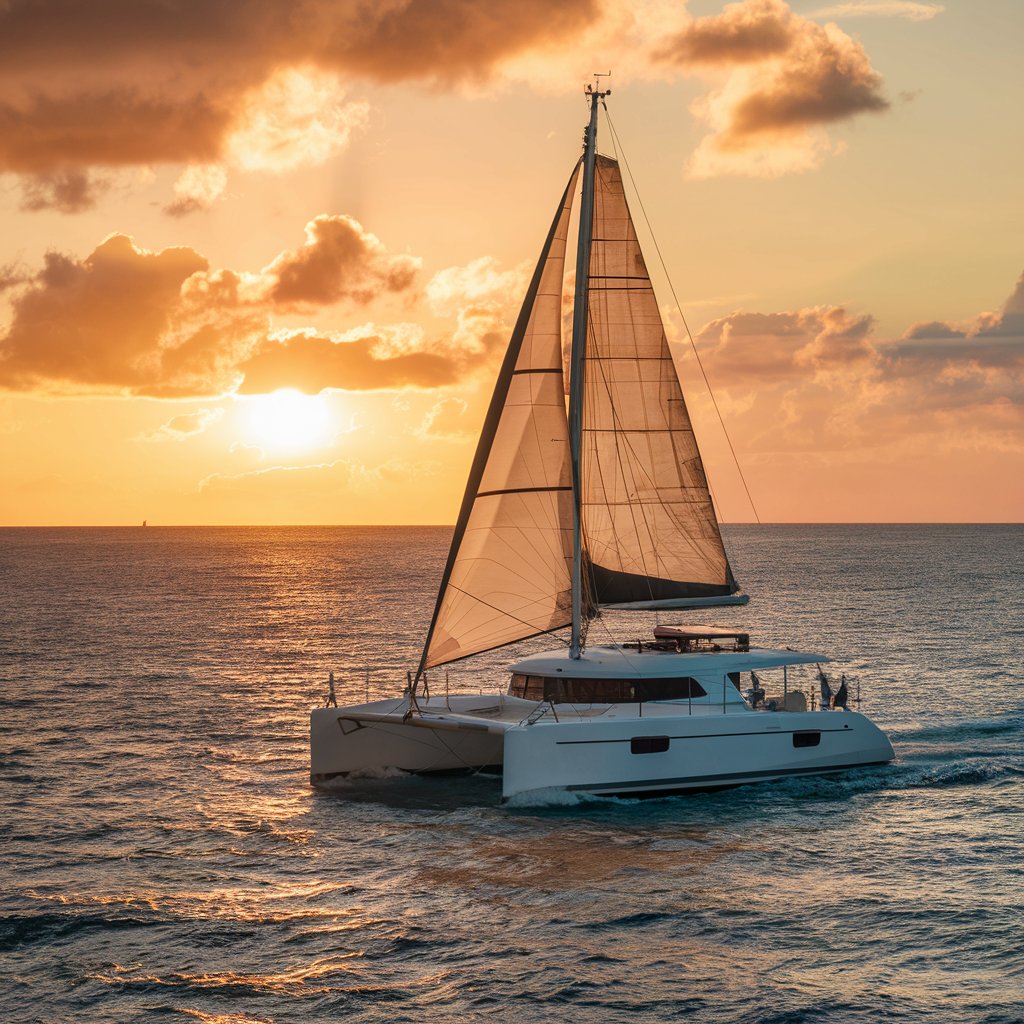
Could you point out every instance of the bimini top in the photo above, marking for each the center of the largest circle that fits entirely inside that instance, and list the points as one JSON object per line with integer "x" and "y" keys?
{"x": 617, "y": 661}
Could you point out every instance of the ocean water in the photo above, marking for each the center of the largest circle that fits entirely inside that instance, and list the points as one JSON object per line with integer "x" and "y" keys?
{"x": 163, "y": 857}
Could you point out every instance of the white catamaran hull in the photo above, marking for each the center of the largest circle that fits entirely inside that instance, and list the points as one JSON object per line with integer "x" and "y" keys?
{"x": 377, "y": 737}
{"x": 702, "y": 752}
{"x": 659, "y": 751}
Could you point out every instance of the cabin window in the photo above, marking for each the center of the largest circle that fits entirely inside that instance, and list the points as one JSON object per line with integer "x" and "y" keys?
{"x": 806, "y": 739}
{"x": 604, "y": 691}
{"x": 648, "y": 745}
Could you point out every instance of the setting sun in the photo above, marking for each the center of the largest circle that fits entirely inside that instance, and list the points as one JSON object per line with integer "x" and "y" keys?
{"x": 287, "y": 420}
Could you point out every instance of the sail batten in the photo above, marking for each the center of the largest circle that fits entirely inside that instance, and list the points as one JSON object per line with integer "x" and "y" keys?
{"x": 508, "y": 572}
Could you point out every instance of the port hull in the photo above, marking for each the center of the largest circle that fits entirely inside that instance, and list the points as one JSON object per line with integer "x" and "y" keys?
{"x": 379, "y": 736}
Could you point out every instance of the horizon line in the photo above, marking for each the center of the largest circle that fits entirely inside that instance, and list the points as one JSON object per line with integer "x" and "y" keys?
{"x": 424, "y": 526}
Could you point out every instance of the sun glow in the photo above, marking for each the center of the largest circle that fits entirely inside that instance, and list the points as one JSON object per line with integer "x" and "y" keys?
{"x": 288, "y": 420}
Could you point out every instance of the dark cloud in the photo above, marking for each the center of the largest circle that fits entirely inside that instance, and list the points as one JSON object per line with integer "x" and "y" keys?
{"x": 51, "y": 133}
{"x": 933, "y": 329}
{"x": 787, "y": 75}
{"x": 741, "y": 34}
{"x": 830, "y": 81}
{"x": 117, "y": 82}
{"x": 340, "y": 260}
{"x": 992, "y": 342}
{"x": 70, "y": 190}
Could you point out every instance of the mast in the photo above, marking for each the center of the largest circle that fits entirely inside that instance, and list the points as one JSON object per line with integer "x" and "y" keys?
{"x": 579, "y": 346}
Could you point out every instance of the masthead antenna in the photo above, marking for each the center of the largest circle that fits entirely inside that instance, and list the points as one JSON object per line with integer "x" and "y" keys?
{"x": 595, "y": 89}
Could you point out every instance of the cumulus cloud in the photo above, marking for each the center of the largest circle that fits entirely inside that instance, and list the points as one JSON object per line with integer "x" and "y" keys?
{"x": 252, "y": 83}
{"x": 780, "y": 79}
{"x": 339, "y": 260}
{"x": 97, "y": 322}
{"x": 126, "y": 320}
{"x": 374, "y": 357}
{"x": 311, "y": 362}
{"x": 991, "y": 341}
{"x": 821, "y": 379}
{"x": 908, "y": 9}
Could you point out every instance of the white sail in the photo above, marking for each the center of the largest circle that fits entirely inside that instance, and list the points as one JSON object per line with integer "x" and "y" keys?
{"x": 650, "y": 529}
{"x": 508, "y": 572}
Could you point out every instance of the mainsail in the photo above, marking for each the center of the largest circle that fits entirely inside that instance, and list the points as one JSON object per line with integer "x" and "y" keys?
{"x": 649, "y": 526}
{"x": 508, "y": 571}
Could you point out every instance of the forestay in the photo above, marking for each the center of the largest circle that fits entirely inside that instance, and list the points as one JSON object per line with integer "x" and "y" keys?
{"x": 649, "y": 525}
{"x": 508, "y": 571}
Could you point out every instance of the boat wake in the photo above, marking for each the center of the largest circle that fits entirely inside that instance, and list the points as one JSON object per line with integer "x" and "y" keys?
{"x": 553, "y": 798}
{"x": 341, "y": 783}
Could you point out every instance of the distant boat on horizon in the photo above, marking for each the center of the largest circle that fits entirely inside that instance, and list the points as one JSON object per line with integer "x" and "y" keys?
{"x": 565, "y": 514}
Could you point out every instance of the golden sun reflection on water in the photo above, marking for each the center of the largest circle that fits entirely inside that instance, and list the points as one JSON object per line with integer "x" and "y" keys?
{"x": 553, "y": 862}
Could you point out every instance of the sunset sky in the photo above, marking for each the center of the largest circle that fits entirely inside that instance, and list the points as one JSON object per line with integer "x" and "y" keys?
{"x": 259, "y": 260}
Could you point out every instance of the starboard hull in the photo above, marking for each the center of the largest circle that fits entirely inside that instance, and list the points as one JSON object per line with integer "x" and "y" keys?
{"x": 702, "y": 753}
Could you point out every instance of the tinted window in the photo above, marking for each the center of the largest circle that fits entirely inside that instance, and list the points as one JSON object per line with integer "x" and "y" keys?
{"x": 604, "y": 691}
{"x": 648, "y": 744}
{"x": 806, "y": 739}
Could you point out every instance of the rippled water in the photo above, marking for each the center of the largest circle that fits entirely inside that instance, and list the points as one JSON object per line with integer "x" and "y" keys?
{"x": 164, "y": 858}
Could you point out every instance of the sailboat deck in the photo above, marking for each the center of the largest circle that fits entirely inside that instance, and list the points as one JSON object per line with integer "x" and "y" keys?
{"x": 511, "y": 711}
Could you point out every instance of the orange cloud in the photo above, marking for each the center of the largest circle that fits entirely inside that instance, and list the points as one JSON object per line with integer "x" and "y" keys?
{"x": 818, "y": 379}
{"x": 101, "y": 85}
{"x": 310, "y": 363}
{"x": 339, "y": 260}
{"x": 164, "y": 324}
{"x": 782, "y": 78}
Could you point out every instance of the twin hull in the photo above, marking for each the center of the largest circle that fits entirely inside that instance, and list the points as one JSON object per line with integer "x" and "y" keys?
{"x": 622, "y": 755}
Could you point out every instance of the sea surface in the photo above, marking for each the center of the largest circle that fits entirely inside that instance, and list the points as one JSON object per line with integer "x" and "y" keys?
{"x": 163, "y": 857}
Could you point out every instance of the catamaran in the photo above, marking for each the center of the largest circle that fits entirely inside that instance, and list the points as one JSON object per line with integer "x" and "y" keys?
{"x": 566, "y": 513}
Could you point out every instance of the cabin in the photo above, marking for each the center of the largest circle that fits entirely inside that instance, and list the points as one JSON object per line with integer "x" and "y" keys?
{"x": 701, "y": 665}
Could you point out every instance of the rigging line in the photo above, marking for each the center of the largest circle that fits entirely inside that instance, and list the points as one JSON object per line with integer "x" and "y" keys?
{"x": 682, "y": 316}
